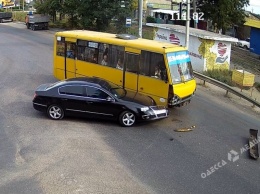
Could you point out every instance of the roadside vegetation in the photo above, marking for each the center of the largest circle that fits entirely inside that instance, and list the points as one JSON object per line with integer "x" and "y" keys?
{"x": 97, "y": 15}
{"x": 87, "y": 14}
{"x": 223, "y": 13}
{"x": 224, "y": 76}
{"x": 19, "y": 16}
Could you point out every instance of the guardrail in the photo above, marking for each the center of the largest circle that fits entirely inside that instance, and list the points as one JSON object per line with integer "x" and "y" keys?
{"x": 225, "y": 87}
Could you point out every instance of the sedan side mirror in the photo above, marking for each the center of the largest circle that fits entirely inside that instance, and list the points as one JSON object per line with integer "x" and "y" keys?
{"x": 109, "y": 99}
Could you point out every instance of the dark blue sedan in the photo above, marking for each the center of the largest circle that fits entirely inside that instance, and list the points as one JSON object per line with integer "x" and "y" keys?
{"x": 96, "y": 98}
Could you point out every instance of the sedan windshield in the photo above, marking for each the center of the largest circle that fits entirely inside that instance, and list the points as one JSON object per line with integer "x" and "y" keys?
{"x": 118, "y": 92}
{"x": 114, "y": 89}
{"x": 180, "y": 66}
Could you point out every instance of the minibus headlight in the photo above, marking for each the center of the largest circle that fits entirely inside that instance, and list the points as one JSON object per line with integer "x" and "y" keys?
{"x": 175, "y": 99}
{"x": 143, "y": 109}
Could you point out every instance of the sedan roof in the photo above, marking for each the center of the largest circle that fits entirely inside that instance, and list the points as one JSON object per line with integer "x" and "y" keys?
{"x": 92, "y": 81}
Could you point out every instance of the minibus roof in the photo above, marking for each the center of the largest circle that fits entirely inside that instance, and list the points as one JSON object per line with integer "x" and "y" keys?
{"x": 108, "y": 38}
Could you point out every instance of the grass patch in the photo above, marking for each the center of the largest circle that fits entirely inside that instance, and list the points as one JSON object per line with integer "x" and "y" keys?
{"x": 147, "y": 32}
{"x": 59, "y": 24}
{"x": 224, "y": 76}
{"x": 19, "y": 16}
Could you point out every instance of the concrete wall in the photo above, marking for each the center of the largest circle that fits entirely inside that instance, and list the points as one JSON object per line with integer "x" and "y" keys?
{"x": 205, "y": 54}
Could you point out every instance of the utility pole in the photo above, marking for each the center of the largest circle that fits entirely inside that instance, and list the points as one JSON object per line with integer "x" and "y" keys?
{"x": 23, "y": 5}
{"x": 140, "y": 17}
{"x": 195, "y": 11}
{"x": 187, "y": 24}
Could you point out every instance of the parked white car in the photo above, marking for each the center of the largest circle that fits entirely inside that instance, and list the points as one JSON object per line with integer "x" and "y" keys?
{"x": 244, "y": 43}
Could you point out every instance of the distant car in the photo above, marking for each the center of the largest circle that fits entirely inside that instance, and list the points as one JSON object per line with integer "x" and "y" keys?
{"x": 244, "y": 43}
{"x": 98, "y": 98}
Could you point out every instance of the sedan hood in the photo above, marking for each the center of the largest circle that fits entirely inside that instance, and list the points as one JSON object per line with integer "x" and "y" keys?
{"x": 138, "y": 98}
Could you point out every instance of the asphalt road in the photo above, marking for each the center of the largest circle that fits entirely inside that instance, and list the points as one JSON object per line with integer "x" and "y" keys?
{"x": 39, "y": 155}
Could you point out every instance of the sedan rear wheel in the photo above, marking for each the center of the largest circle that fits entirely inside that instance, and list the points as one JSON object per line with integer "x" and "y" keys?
{"x": 55, "y": 112}
{"x": 127, "y": 119}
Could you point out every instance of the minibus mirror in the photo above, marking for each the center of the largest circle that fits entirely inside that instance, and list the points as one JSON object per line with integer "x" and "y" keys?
{"x": 182, "y": 78}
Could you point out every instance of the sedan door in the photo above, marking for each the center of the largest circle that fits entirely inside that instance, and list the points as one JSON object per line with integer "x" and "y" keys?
{"x": 72, "y": 99}
{"x": 100, "y": 104}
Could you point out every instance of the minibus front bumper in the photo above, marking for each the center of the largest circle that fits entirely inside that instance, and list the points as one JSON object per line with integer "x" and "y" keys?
{"x": 177, "y": 101}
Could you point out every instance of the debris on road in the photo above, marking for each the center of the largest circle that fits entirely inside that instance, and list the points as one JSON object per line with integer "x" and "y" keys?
{"x": 253, "y": 144}
{"x": 185, "y": 129}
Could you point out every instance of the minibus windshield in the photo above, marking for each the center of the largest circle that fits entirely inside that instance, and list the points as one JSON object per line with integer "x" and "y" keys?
{"x": 180, "y": 66}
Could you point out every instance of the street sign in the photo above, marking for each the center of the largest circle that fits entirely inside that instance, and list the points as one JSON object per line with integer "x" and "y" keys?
{"x": 128, "y": 22}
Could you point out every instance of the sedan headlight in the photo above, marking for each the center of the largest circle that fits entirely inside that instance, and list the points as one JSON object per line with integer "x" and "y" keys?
{"x": 143, "y": 109}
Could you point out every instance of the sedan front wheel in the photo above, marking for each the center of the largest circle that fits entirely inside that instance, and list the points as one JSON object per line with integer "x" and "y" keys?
{"x": 127, "y": 119}
{"x": 55, "y": 112}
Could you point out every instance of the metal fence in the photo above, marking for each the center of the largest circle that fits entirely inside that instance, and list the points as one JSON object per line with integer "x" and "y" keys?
{"x": 225, "y": 87}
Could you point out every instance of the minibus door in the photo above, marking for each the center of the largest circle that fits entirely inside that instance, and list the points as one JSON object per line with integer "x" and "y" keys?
{"x": 70, "y": 58}
{"x": 130, "y": 74}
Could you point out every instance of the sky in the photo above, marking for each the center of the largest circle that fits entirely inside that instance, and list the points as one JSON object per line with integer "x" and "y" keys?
{"x": 254, "y": 6}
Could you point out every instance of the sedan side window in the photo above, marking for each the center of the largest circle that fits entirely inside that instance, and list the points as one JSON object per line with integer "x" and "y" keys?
{"x": 72, "y": 90}
{"x": 95, "y": 93}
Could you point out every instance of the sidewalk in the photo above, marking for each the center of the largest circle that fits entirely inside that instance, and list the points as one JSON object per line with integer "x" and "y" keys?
{"x": 252, "y": 93}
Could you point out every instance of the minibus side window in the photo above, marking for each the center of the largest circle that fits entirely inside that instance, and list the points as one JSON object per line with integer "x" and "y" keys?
{"x": 100, "y": 53}
{"x": 60, "y": 48}
{"x": 82, "y": 44}
{"x": 87, "y": 51}
{"x": 153, "y": 65}
{"x": 132, "y": 62}
{"x": 70, "y": 53}
{"x": 103, "y": 58}
{"x": 114, "y": 55}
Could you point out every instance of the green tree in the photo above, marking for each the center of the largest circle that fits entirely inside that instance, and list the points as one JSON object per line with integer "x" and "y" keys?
{"x": 50, "y": 7}
{"x": 223, "y": 13}
{"x": 71, "y": 9}
{"x": 122, "y": 14}
{"x": 99, "y": 13}
{"x": 88, "y": 14}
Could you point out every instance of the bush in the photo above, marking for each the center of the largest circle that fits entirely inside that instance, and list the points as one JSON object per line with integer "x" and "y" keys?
{"x": 19, "y": 16}
{"x": 59, "y": 24}
{"x": 224, "y": 76}
{"x": 150, "y": 19}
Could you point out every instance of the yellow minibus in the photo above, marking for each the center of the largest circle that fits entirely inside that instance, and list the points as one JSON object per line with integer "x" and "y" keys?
{"x": 160, "y": 70}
